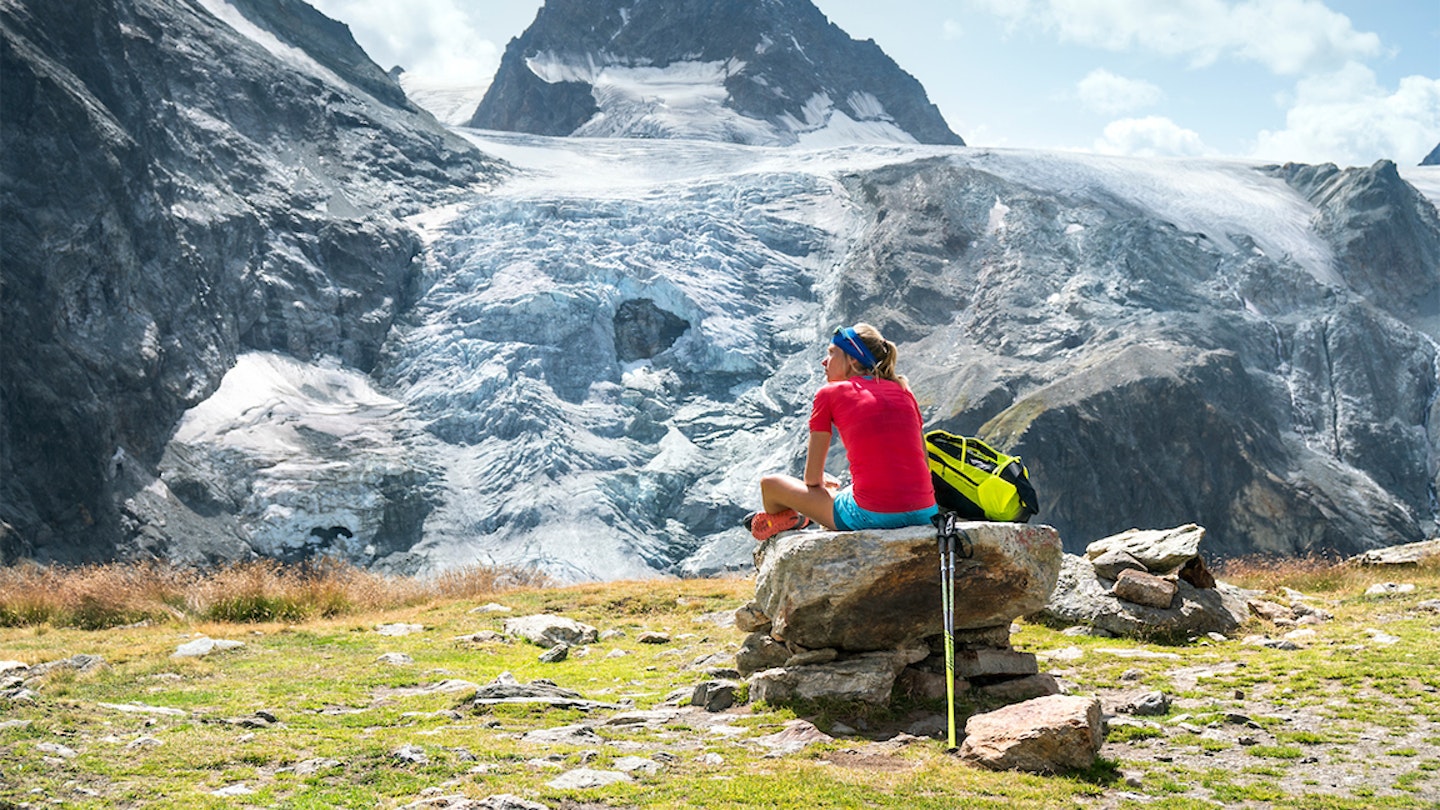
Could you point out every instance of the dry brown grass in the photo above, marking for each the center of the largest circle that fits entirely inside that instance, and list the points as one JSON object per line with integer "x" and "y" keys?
{"x": 1315, "y": 574}
{"x": 117, "y": 594}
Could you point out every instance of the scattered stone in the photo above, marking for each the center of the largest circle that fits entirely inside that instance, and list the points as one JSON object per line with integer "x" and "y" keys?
{"x": 878, "y": 590}
{"x": 638, "y": 765}
{"x": 653, "y": 637}
{"x": 1144, "y": 588}
{"x": 1045, "y": 735}
{"x": 1064, "y": 654}
{"x": 505, "y": 689}
{"x": 13, "y": 666}
{"x": 395, "y": 658}
{"x": 484, "y": 637}
{"x": 410, "y": 754}
{"x": 1270, "y": 643}
{"x": 1390, "y": 588}
{"x": 8, "y": 724}
{"x": 609, "y": 634}
{"x": 1404, "y": 555}
{"x": 1160, "y": 551}
{"x": 493, "y": 607}
{"x": 1380, "y": 637}
{"x": 1132, "y": 675}
{"x": 564, "y": 735}
{"x": 1144, "y": 704}
{"x": 56, "y": 749}
{"x": 585, "y": 778}
{"x": 794, "y": 737}
{"x": 711, "y": 759}
{"x": 399, "y": 629}
{"x": 555, "y": 654}
{"x": 203, "y": 646}
{"x": 1431, "y": 605}
{"x": 142, "y": 708}
{"x": 1300, "y": 634}
{"x": 545, "y": 630}
{"x": 310, "y": 767}
{"x": 652, "y": 718}
{"x": 454, "y": 801}
{"x": 237, "y": 789}
{"x": 1086, "y": 630}
{"x": 81, "y": 662}
{"x": 751, "y": 619}
{"x": 1271, "y": 612}
{"x": 143, "y": 741}
{"x": 506, "y": 801}
{"x": 714, "y": 696}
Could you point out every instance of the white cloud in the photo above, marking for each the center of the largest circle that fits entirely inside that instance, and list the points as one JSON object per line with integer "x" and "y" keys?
{"x": 438, "y": 42}
{"x": 951, "y": 30}
{"x": 1286, "y": 36}
{"x": 1346, "y": 117}
{"x": 1153, "y": 136}
{"x": 1108, "y": 93}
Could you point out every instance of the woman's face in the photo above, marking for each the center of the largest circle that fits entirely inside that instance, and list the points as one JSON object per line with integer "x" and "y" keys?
{"x": 838, "y": 364}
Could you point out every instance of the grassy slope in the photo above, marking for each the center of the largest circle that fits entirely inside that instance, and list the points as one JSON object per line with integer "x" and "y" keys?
{"x": 1344, "y": 722}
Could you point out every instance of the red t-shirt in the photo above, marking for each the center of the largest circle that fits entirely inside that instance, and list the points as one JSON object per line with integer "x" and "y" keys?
{"x": 879, "y": 422}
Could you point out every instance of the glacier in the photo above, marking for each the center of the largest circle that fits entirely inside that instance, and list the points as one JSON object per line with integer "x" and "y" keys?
{"x": 535, "y": 439}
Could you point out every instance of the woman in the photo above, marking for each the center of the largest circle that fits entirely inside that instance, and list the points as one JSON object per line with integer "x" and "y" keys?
{"x": 879, "y": 421}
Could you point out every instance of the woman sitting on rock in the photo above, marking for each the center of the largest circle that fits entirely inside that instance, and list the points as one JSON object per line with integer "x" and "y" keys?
{"x": 879, "y": 422}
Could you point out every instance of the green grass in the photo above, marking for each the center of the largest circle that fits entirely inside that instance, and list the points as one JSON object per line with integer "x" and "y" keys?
{"x": 318, "y": 672}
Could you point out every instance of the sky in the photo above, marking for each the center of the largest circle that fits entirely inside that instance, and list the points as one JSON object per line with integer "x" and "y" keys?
{"x": 1311, "y": 81}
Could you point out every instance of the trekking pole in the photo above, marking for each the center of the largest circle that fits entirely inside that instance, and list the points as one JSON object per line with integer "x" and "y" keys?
{"x": 947, "y": 599}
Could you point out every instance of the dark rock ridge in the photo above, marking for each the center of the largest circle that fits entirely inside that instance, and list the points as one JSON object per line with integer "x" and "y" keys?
{"x": 177, "y": 189}
{"x": 780, "y": 58}
{"x": 1432, "y": 159}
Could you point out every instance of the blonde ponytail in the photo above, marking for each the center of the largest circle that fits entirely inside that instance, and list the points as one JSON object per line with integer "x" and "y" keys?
{"x": 884, "y": 352}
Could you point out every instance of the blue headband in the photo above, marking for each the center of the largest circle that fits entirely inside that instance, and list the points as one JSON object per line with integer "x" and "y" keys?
{"x": 851, "y": 344}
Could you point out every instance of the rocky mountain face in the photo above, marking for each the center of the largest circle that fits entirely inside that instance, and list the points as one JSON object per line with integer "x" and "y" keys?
{"x": 743, "y": 71}
{"x": 256, "y": 303}
{"x": 1432, "y": 159}
{"x": 183, "y": 182}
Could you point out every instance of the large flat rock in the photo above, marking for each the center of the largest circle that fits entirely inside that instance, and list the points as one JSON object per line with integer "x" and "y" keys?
{"x": 879, "y": 590}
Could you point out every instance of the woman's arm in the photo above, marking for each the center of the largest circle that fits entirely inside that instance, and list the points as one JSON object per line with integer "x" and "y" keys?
{"x": 815, "y": 453}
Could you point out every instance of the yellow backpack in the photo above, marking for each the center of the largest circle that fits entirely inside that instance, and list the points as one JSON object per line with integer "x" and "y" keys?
{"x": 977, "y": 481}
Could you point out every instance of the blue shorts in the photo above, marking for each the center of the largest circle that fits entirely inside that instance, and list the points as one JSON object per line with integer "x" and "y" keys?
{"x": 850, "y": 517}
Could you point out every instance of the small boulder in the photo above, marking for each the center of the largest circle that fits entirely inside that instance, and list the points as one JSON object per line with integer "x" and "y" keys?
{"x": 1403, "y": 555}
{"x": 748, "y": 619}
{"x": 547, "y": 631}
{"x": 1161, "y": 551}
{"x": 868, "y": 677}
{"x": 203, "y": 646}
{"x": 1111, "y": 563}
{"x": 1050, "y": 734}
{"x": 1081, "y": 598}
{"x": 1144, "y": 588}
{"x": 585, "y": 778}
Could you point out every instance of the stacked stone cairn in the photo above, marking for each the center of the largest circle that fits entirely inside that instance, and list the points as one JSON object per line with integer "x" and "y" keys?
{"x": 847, "y": 615}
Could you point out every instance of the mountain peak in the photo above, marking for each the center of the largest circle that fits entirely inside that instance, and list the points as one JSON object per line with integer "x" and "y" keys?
{"x": 773, "y": 72}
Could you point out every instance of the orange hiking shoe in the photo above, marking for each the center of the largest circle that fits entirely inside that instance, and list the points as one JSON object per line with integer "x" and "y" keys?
{"x": 764, "y": 525}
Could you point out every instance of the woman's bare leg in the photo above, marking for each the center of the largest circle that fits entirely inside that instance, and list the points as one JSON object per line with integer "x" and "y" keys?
{"x": 781, "y": 492}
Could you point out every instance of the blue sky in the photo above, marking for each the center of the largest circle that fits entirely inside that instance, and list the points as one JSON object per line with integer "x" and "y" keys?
{"x": 1343, "y": 81}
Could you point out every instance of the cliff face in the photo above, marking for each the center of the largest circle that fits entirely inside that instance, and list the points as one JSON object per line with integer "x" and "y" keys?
{"x": 766, "y": 71}
{"x": 177, "y": 188}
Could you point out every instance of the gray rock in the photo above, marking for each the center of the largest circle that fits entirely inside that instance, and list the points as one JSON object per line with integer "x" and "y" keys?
{"x": 1144, "y": 588}
{"x": 1081, "y": 598}
{"x": 1390, "y": 589}
{"x": 395, "y": 659}
{"x": 796, "y": 735}
{"x": 555, "y": 654}
{"x": 505, "y": 689}
{"x": 56, "y": 749}
{"x": 547, "y": 631}
{"x": 1160, "y": 551}
{"x": 1406, "y": 555}
{"x": 714, "y": 696}
{"x": 1050, "y": 734}
{"x": 750, "y": 619}
{"x": 643, "y": 765}
{"x": 310, "y": 767}
{"x": 1016, "y": 690}
{"x": 399, "y": 629}
{"x": 574, "y": 734}
{"x": 1110, "y": 563}
{"x": 760, "y": 651}
{"x": 586, "y": 778}
{"x": 410, "y": 754}
{"x": 201, "y": 647}
{"x": 506, "y": 801}
{"x": 878, "y": 590}
{"x": 868, "y": 677}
